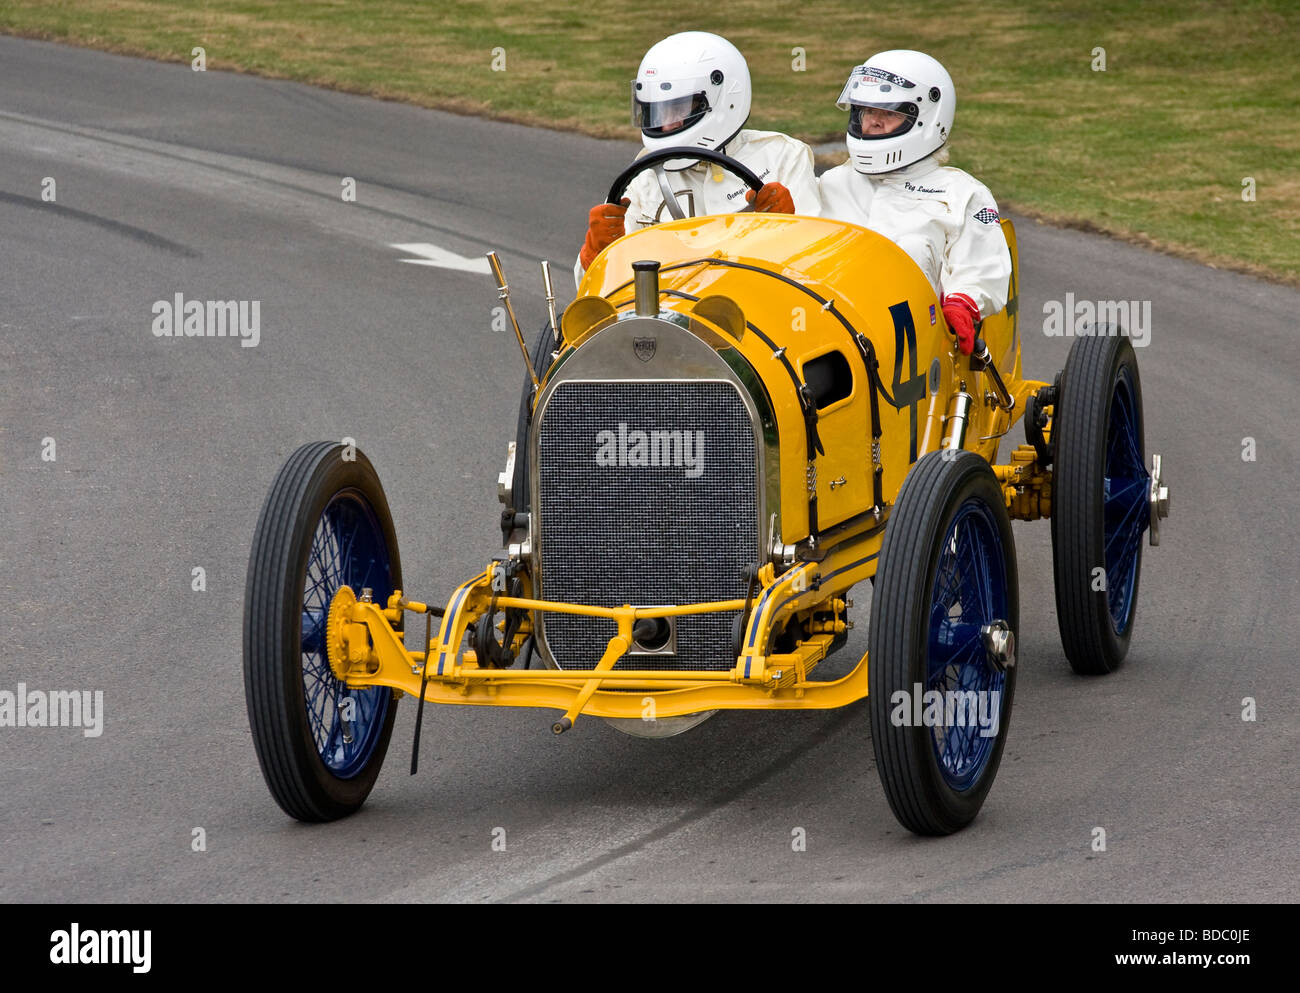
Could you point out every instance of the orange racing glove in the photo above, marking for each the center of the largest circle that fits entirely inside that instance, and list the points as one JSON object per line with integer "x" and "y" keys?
{"x": 773, "y": 198}
{"x": 604, "y": 227}
{"x": 960, "y": 312}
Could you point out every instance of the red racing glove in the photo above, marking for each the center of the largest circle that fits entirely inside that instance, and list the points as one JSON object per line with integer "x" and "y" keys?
{"x": 604, "y": 227}
{"x": 773, "y": 198}
{"x": 960, "y": 312}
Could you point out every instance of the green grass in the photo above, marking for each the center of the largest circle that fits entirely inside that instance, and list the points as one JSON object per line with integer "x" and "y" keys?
{"x": 1196, "y": 96}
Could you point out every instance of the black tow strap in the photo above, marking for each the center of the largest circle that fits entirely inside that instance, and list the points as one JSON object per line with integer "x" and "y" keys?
{"x": 868, "y": 352}
{"x": 424, "y": 682}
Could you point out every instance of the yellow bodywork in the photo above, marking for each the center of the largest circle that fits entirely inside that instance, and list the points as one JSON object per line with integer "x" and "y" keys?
{"x": 717, "y": 271}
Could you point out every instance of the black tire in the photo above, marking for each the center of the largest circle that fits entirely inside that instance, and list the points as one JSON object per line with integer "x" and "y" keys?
{"x": 944, "y": 492}
{"x": 314, "y": 772}
{"x": 1100, "y": 393}
{"x": 542, "y": 346}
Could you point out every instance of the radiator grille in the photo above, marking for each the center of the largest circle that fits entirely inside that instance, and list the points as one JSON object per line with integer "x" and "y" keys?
{"x": 645, "y": 534}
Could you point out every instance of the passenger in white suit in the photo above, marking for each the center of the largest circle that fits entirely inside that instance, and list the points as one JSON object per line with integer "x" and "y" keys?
{"x": 901, "y": 106}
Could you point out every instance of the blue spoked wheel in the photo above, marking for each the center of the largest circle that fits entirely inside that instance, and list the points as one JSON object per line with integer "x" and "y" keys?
{"x": 1100, "y": 500}
{"x": 941, "y": 662}
{"x": 970, "y": 591}
{"x": 325, "y": 524}
{"x": 348, "y": 549}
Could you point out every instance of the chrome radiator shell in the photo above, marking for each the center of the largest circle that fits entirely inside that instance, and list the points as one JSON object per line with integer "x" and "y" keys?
{"x": 648, "y": 535}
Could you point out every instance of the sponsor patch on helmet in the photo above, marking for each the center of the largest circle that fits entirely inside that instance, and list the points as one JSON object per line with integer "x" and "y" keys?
{"x": 987, "y": 215}
{"x": 873, "y": 72}
{"x": 932, "y": 314}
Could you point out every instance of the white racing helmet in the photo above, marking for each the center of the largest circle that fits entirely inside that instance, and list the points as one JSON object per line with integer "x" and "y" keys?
{"x": 692, "y": 89}
{"x": 904, "y": 82}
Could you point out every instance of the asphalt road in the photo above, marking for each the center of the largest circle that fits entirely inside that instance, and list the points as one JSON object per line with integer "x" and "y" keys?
{"x": 222, "y": 186}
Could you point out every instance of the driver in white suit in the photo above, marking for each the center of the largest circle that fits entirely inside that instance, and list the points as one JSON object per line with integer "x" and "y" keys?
{"x": 693, "y": 89}
{"x": 901, "y": 106}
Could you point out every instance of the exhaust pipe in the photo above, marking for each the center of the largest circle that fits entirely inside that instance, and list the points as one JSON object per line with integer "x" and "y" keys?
{"x": 646, "y": 278}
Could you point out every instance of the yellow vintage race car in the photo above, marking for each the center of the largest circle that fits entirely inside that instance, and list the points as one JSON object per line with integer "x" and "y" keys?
{"x": 738, "y": 419}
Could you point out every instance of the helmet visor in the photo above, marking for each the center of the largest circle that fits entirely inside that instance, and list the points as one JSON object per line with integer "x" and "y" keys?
{"x": 881, "y": 120}
{"x": 663, "y": 117}
{"x": 871, "y": 85}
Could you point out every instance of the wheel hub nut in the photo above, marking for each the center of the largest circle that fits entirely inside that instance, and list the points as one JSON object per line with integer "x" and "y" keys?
{"x": 999, "y": 645}
{"x": 1159, "y": 498}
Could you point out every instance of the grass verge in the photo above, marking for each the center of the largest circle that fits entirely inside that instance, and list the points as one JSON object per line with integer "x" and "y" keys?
{"x": 1194, "y": 110}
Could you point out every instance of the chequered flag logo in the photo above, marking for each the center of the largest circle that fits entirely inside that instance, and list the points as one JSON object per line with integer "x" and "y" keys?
{"x": 988, "y": 215}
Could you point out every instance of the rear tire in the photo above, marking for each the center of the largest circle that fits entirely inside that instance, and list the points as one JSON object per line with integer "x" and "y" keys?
{"x": 947, "y": 570}
{"x": 541, "y": 358}
{"x": 1100, "y": 501}
{"x": 325, "y": 524}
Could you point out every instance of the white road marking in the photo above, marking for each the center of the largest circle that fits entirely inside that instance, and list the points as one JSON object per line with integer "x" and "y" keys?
{"x": 440, "y": 257}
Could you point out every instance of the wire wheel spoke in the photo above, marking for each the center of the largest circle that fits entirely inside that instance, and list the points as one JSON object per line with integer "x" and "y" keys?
{"x": 969, "y": 592}
{"x": 1126, "y": 508}
{"x": 1119, "y": 581}
{"x": 1123, "y": 511}
{"x": 347, "y": 548}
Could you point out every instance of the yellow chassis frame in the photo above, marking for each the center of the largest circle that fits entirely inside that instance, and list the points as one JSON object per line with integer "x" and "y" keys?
{"x": 365, "y": 649}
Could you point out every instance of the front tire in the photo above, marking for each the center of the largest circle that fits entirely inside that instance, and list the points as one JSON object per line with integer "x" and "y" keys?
{"x": 947, "y": 580}
{"x": 325, "y": 524}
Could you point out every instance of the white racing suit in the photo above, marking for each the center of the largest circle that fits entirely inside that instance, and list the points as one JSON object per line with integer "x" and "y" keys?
{"x": 944, "y": 218}
{"x": 709, "y": 189}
